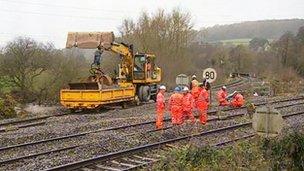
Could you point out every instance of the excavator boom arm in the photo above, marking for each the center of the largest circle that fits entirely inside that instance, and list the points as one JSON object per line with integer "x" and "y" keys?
{"x": 127, "y": 57}
{"x": 104, "y": 40}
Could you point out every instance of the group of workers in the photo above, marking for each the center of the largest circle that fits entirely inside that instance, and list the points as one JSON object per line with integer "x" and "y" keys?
{"x": 184, "y": 100}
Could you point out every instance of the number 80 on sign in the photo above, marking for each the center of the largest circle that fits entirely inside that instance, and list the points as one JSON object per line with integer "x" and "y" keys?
{"x": 210, "y": 74}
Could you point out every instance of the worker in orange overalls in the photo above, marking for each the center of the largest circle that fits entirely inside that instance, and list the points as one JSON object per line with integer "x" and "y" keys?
{"x": 195, "y": 89}
{"x": 188, "y": 103}
{"x": 202, "y": 104}
{"x": 237, "y": 100}
{"x": 160, "y": 107}
{"x": 222, "y": 97}
{"x": 175, "y": 106}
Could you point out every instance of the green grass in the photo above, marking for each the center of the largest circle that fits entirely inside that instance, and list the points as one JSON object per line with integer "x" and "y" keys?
{"x": 244, "y": 41}
{"x": 236, "y": 41}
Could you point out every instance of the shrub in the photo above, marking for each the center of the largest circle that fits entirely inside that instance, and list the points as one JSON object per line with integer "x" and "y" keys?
{"x": 7, "y": 106}
{"x": 287, "y": 153}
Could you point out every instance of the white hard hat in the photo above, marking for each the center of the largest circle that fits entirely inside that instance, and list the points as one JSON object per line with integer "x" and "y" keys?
{"x": 193, "y": 76}
{"x": 162, "y": 87}
{"x": 224, "y": 87}
{"x": 186, "y": 89}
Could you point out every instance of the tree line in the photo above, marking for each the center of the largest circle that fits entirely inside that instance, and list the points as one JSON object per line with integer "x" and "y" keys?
{"x": 269, "y": 29}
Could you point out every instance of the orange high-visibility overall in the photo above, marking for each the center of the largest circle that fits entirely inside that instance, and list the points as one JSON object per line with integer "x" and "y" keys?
{"x": 175, "y": 107}
{"x": 237, "y": 101}
{"x": 195, "y": 93}
{"x": 202, "y": 105}
{"x": 221, "y": 98}
{"x": 160, "y": 110}
{"x": 188, "y": 103}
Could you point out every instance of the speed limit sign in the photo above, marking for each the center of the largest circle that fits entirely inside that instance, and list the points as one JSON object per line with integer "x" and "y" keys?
{"x": 210, "y": 74}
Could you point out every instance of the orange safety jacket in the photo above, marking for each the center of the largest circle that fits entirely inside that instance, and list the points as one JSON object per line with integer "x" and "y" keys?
{"x": 160, "y": 101}
{"x": 203, "y": 99}
{"x": 188, "y": 102}
{"x": 221, "y": 98}
{"x": 237, "y": 101}
{"x": 175, "y": 102}
{"x": 196, "y": 92}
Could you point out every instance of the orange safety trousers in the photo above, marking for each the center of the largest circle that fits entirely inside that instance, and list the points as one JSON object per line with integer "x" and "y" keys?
{"x": 188, "y": 114}
{"x": 188, "y": 103}
{"x": 176, "y": 115}
{"x": 202, "y": 109}
{"x": 195, "y": 93}
{"x": 236, "y": 104}
{"x": 159, "y": 118}
{"x": 202, "y": 105}
{"x": 160, "y": 109}
{"x": 176, "y": 110}
{"x": 238, "y": 101}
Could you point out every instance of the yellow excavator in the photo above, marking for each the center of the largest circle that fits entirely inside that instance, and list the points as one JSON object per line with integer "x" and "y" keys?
{"x": 136, "y": 80}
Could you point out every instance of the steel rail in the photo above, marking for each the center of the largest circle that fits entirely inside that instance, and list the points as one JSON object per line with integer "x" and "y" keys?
{"x": 220, "y": 144}
{"x": 23, "y": 126}
{"x": 72, "y": 147}
{"x": 106, "y": 157}
{"x": 24, "y": 120}
{"x": 45, "y": 117}
{"x": 121, "y": 127}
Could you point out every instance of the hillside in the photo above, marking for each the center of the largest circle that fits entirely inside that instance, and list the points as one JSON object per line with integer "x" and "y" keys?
{"x": 270, "y": 29}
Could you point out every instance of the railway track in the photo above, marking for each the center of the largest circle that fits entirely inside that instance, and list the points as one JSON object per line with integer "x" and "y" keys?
{"x": 233, "y": 83}
{"x": 106, "y": 129}
{"x": 37, "y": 121}
{"x": 132, "y": 155}
{"x": 25, "y": 123}
{"x": 145, "y": 123}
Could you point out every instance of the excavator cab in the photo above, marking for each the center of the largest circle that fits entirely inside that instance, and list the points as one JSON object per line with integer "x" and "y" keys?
{"x": 145, "y": 69}
{"x": 139, "y": 67}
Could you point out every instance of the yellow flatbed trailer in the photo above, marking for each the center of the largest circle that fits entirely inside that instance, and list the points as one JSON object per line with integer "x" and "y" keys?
{"x": 90, "y": 99}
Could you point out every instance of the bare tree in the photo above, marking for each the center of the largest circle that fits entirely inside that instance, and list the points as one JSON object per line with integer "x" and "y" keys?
{"x": 24, "y": 60}
{"x": 168, "y": 35}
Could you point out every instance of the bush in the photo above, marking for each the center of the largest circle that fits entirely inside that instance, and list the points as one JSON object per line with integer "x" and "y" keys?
{"x": 287, "y": 153}
{"x": 7, "y": 106}
{"x": 242, "y": 155}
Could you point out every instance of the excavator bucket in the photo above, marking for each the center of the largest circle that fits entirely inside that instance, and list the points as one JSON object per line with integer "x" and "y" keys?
{"x": 90, "y": 40}
{"x": 93, "y": 83}
{"x": 83, "y": 86}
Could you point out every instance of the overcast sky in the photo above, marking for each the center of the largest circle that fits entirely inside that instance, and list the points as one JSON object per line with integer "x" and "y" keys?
{"x": 50, "y": 20}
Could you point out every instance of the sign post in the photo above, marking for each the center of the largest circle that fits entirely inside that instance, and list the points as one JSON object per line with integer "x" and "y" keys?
{"x": 210, "y": 75}
{"x": 182, "y": 80}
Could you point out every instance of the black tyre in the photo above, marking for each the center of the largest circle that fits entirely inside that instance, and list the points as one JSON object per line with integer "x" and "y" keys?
{"x": 144, "y": 93}
{"x": 72, "y": 110}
